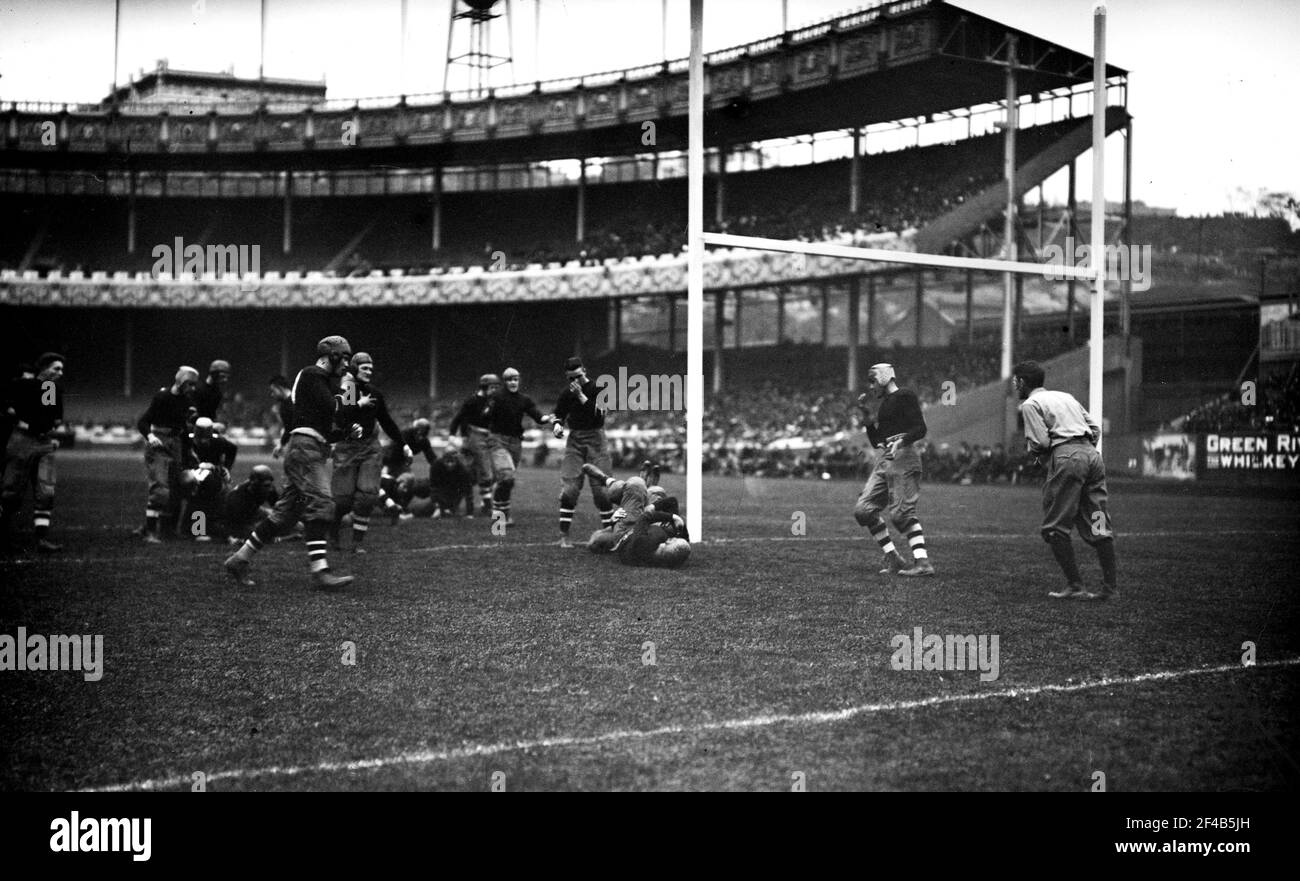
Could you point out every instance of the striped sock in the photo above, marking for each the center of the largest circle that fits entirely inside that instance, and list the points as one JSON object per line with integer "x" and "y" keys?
{"x": 360, "y": 526}
{"x": 916, "y": 540}
{"x": 880, "y": 532}
{"x": 151, "y": 520}
{"x": 316, "y": 554}
{"x": 606, "y": 518}
{"x": 566, "y": 519}
{"x": 41, "y": 521}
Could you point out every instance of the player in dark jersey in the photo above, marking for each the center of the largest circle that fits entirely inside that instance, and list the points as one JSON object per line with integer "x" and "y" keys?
{"x": 505, "y": 414}
{"x": 659, "y": 537}
{"x": 164, "y": 426}
{"x": 400, "y": 454}
{"x": 576, "y": 408}
{"x": 317, "y": 399}
{"x": 358, "y": 457}
{"x": 632, "y": 497}
{"x": 470, "y": 422}
{"x": 398, "y": 457}
{"x": 207, "y": 458}
{"x": 33, "y": 409}
{"x": 211, "y": 393}
{"x": 248, "y": 502}
{"x": 895, "y": 481}
{"x": 450, "y": 483}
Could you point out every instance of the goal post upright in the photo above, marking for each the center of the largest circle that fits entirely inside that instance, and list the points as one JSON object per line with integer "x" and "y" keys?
{"x": 1097, "y": 252}
{"x": 695, "y": 280}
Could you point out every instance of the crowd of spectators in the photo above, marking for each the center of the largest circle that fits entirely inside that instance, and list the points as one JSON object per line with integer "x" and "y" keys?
{"x": 1275, "y": 407}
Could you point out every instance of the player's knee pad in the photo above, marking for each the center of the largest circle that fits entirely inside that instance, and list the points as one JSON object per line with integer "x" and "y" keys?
{"x": 569, "y": 492}
{"x": 867, "y": 514}
{"x": 1052, "y": 535}
{"x": 342, "y": 505}
{"x": 506, "y": 484}
{"x": 672, "y": 553}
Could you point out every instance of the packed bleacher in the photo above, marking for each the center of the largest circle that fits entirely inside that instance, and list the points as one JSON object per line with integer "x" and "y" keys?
{"x": 357, "y": 235}
{"x": 1276, "y": 408}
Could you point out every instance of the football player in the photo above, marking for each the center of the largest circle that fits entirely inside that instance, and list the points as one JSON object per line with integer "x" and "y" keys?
{"x": 210, "y": 394}
{"x": 358, "y": 457}
{"x": 470, "y": 422}
{"x": 505, "y": 412}
{"x": 398, "y": 457}
{"x": 204, "y": 476}
{"x": 659, "y": 537}
{"x": 317, "y": 399}
{"x": 631, "y": 495}
{"x": 164, "y": 427}
{"x": 576, "y": 409}
{"x": 248, "y": 502}
{"x": 895, "y": 481}
{"x": 33, "y": 408}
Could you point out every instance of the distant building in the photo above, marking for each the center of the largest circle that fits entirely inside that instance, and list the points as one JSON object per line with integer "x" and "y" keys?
{"x": 164, "y": 85}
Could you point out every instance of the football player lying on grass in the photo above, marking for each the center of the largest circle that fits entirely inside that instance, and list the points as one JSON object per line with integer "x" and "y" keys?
{"x": 646, "y": 528}
{"x": 631, "y": 495}
{"x": 659, "y": 536}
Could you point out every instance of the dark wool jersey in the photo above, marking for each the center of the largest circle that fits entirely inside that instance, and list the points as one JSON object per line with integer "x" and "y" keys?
{"x": 899, "y": 413}
{"x": 368, "y": 417}
{"x": 207, "y": 400}
{"x": 652, "y": 529}
{"x": 241, "y": 506}
{"x": 395, "y": 456}
{"x": 27, "y": 399}
{"x": 166, "y": 411}
{"x": 315, "y": 403}
{"x": 217, "y": 450}
{"x": 285, "y": 410}
{"x": 473, "y": 412}
{"x": 448, "y": 477}
{"x": 506, "y": 412}
{"x": 580, "y": 416}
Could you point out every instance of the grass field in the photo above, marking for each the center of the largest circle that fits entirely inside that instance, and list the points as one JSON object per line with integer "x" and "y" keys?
{"x": 515, "y": 660}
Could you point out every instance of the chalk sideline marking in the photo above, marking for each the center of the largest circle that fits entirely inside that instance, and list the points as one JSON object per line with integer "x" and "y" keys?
{"x": 823, "y": 717}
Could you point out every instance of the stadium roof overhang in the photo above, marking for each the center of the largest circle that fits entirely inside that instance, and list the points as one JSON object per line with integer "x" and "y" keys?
{"x": 896, "y": 61}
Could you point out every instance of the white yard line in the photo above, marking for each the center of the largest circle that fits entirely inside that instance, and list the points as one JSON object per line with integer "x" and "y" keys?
{"x": 825, "y": 717}
{"x": 506, "y": 543}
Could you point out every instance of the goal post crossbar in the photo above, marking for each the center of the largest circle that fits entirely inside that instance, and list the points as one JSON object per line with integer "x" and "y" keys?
{"x": 1051, "y": 271}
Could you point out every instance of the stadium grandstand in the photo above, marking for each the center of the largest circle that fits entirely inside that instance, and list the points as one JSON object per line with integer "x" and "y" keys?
{"x": 526, "y": 222}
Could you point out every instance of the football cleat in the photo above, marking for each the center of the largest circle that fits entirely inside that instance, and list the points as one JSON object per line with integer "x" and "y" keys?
{"x": 1069, "y": 592}
{"x": 238, "y": 570}
{"x": 922, "y": 569}
{"x": 326, "y": 581}
{"x": 45, "y": 546}
{"x": 894, "y": 564}
{"x": 564, "y": 542}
